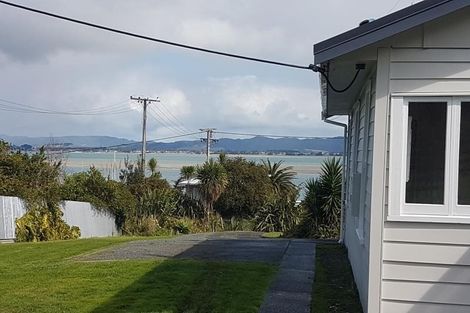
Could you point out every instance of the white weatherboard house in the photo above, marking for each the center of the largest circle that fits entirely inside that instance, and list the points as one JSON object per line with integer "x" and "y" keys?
{"x": 407, "y": 172}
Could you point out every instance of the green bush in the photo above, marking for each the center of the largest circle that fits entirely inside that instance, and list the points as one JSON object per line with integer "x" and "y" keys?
{"x": 213, "y": 182}
{"x": 185, "y": 225}
{"x": 239, "y": 224}
{"x": 141, "y": 226}
{"x": 189, "y": 207}
{"x": 42, "y": 224}
{"x": 323, "y": 203}
{"x": 159, "y": 203}
{"x": 35, "y": 179}
{"x": 104, "y": 194}
{"x": 279, "y": 215}
{"x": 248, "y": 189}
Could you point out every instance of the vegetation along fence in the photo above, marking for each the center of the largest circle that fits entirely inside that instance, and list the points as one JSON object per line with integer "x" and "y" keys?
{"x": 92, "y": 223}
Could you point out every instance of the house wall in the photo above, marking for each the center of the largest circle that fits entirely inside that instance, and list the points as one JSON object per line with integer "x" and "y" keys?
{"x": 425, "y": 265}
{"x": 358, "y": 189}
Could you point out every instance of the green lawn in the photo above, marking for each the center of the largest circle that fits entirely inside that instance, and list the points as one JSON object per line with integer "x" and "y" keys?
{"x": 273, "y": 234}
{"x": 42, "y": 277}
{"x": 334, "y": 290}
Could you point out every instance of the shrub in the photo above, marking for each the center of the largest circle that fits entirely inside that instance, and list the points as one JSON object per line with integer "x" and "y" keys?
{"x": 159, "y": 203}
{"x": 279, "y": 214}
{"x": 103, "y": 194}
{"x": 142, "y": 226}
{"x": 36, "y": 180}
{"x": 189, "y": 207}
{"x": 214, "y": 180}
{"x": 240, "y": 224}
{"x": 323, "y": 202}
{"x": 248, "y": 189}
{"x": 42, "y": 224}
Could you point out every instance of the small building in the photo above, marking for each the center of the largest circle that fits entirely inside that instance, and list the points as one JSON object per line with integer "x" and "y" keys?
{"x": 406, "y": 81}
{"x": 190, "y": 187}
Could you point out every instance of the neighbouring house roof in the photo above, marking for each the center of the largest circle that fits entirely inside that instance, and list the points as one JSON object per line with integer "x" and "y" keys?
{"x": 189, "y": 182}
{"x": 387, "y": 26}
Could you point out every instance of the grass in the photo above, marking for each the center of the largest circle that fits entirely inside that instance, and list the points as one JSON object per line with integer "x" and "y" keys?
{"x": 42, "y": 277}
{"x": 273, "y": 234}
{"x": 334, "y": 290}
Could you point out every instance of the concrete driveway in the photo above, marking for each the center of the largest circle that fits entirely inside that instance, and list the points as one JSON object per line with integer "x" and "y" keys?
{"x": 290, "y": 290}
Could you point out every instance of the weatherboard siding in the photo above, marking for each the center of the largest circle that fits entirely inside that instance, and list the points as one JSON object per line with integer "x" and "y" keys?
{"x": 426, "y": 266}
{"x": 359, "y": 169}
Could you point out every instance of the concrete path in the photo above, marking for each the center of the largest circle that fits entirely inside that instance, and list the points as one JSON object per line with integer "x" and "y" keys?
{"x": 289, "y": 292}
{"x": 226, "y": 246}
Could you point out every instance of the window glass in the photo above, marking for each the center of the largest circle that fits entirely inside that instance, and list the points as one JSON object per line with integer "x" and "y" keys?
{"x": 426, "y": 152}
{"x": 464, "y": 155}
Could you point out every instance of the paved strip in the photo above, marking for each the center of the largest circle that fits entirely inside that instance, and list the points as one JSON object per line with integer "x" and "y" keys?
{"x": 291, "y": 291}
{"x": 228, "y": 246}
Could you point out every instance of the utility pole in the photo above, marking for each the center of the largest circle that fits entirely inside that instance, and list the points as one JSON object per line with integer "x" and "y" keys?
{"x": 144, "y": 102}
{"x": 208, "y": 140}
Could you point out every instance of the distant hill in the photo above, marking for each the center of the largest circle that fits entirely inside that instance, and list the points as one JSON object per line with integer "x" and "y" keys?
{"x": 257, "y": 144}
{"x": 75, "y": 141}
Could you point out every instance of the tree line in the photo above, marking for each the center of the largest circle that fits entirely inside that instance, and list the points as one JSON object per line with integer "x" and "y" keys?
{"x": 226, "y": 194}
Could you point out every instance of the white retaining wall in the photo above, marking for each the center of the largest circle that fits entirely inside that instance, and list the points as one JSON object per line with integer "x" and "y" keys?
{"x": 11, "y": 208}
{"x": 92, "y": 223}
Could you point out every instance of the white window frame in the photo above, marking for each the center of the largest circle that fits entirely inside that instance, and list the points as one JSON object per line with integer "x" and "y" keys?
{"x": 399, "y": 210}
{"x": 357, "y": 170}
{"x": 357, "y": 196}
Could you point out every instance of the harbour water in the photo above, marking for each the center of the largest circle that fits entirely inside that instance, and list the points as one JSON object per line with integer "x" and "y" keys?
{"x": 169, "y": 164}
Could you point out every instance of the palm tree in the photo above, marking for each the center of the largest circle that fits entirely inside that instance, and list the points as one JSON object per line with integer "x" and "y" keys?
{"x": 281, "y": 178}
{"x": 331, "y": 183}
{"x": 323, "y": 200}
{"x": 152, "y": 165}
{"x": 222, "y": 158}
{"x": 214, "y": 180}
{"x": 187, "y": 172}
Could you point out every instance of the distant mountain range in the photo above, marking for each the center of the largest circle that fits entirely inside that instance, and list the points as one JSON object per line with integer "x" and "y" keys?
{"x": 75, "y": 141}
{"x": 259, "y": 144}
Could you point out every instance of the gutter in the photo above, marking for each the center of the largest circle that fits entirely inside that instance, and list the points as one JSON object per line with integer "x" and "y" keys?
{"x": 343, "y": 176}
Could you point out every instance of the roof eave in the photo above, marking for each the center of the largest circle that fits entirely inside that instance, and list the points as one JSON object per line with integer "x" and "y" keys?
{"x": 383, "y": 28}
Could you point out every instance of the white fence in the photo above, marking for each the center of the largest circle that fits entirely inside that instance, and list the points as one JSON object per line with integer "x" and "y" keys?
{"x": 11, "y": 208}
{"x": 92, "y": 223}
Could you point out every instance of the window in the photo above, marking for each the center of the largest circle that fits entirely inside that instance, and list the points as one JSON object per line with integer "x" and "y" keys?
{"x": 430, "y": 157}
{"x": 464, "y": 155}
{"x": 426, "y": 152}
{"x": 359, "y": 174}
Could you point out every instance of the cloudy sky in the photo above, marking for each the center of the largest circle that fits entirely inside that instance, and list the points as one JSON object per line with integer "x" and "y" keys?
{"x": 60, "y": 66}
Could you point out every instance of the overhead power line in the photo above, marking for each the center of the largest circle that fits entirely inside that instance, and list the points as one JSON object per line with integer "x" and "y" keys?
{"x": 174, "y": 118}
{"x": 208, "y": 140}
{"x": 164, "y": 122}
{"x": 162, "y": 41}
{"x": 145, "y": 103}
{"x": 152, "y": 140}
{"x": 265, "y": 135}
{"x": 12, "y": 106}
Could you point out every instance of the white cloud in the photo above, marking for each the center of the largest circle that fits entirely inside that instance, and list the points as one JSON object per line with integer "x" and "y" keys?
{"x": 250, "y": 104}
{"x": 51, "y": 63}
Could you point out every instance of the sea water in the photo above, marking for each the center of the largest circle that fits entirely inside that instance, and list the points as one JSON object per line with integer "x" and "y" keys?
{"x": 170, "y": 163}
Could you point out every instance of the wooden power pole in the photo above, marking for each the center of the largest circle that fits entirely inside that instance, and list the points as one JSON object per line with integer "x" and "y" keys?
{"x": 208, "y": 140}
{"x": 144, "y": 102}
